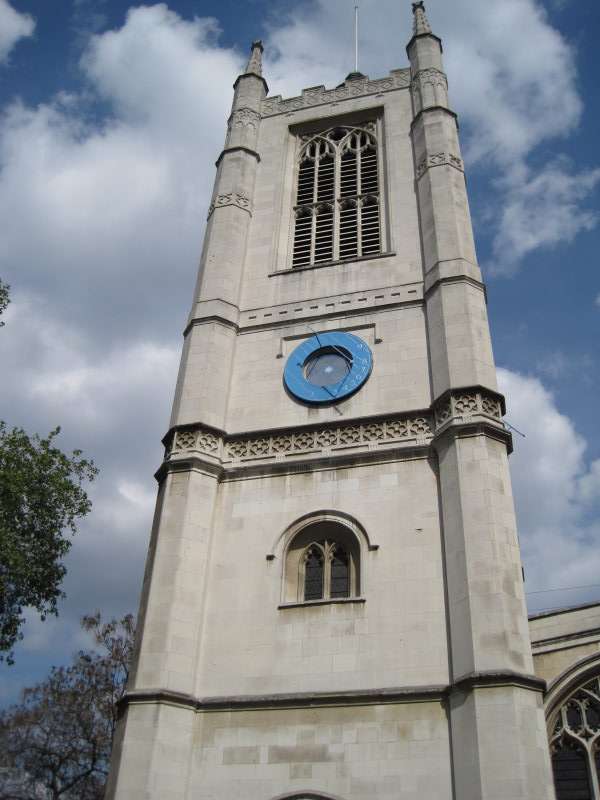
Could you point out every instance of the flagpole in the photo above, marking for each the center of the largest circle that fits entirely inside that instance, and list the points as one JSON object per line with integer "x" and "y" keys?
{"x": 355, "y": 38}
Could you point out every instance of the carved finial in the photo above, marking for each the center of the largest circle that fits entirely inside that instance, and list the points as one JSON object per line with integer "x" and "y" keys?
{"x": 420, "y": 24}
{"x": 255, "y": 63}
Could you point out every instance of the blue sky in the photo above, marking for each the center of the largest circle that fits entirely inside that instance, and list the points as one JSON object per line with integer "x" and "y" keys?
{"x": 111, "y": 118}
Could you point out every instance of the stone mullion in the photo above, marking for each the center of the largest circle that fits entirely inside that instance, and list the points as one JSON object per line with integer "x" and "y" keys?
{"x": 313, "y": 221}
{"x": 337, "y": 182}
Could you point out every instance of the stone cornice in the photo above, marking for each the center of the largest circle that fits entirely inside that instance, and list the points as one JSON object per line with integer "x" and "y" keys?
{"x": 386, "y": 695}
{"x": 452, "y": 271}
{"x": 319, "y": 95}
{"x": 237, "y": 149}
{"x": 568, "y": 639}
{"x": 462, "y": 412}
{"x": 339, "y": 307}
{"x": 468, "y": 430}
{"x": 419, "y": 116}
{"x": 489, "y": 679}
{"x": 418, "y": 36}
{"x": 251, "y": 75}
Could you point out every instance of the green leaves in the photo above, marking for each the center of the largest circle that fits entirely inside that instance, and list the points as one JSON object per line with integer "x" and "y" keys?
{"x": 41, "y": 499}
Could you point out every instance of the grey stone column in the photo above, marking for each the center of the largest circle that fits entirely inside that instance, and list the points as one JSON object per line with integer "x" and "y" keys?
{"x": 499, "y": 742}
{"x": 212, "y": 326}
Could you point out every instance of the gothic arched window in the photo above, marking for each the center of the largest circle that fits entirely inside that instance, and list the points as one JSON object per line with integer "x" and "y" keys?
{"x": 313, "y": 573}
{"x": 575, "y": 744}
{"x": 337, "y": 210}
{"x": 322, "y": 563}
{"x": 325, "y": 571}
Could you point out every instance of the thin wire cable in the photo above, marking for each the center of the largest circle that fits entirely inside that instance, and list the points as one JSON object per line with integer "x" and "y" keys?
{"x": 533, "y": 611}
{"x": 566, "y": 588}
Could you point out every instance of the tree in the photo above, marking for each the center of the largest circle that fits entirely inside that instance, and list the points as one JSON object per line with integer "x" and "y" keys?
{"x": 41, "y": 497}
{"x": 4, "y": 299}
{"x": 57, "y": 742}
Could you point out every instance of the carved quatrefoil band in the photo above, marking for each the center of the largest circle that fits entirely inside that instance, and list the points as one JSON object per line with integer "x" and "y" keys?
{"x": 438, "y": 160}
{"x": 231, "y": 199}
{"x": 334, "y": 441}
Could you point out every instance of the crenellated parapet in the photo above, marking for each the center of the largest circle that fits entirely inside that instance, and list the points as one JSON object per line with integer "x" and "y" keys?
{"x": 353, "y": 87}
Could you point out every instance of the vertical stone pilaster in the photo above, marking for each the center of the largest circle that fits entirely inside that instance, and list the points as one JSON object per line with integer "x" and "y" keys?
{"x": 168, "y": 639}
{"x": 496, "y": 722}
{"x": 204, "y": 372}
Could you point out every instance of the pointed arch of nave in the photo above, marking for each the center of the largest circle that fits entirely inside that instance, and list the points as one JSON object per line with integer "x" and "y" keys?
{"x": 572, "y": 709}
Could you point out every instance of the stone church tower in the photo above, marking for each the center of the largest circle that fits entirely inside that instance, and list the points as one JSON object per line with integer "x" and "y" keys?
{"x": 333, "y": 604}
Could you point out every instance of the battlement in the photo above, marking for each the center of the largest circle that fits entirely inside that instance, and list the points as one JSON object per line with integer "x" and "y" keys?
{"x": 351, "y": 88}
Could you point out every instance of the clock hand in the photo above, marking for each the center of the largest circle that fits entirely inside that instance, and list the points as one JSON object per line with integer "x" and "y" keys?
{"x": 333, "y": 347}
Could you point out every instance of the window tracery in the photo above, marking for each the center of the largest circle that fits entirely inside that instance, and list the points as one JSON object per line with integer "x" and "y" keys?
{"x": 322, "y": 563}
{"x": 325, "y": 571}
{"x": 575, "y": 744}
{"x": 337, "y": 210}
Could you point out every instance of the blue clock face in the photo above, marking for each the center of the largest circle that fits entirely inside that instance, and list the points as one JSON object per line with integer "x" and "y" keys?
{"x": 328, "y": 367}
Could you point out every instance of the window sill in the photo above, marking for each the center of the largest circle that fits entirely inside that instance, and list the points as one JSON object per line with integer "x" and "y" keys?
{"x": 325, "y": 264}
{"x": 327, "y": 602}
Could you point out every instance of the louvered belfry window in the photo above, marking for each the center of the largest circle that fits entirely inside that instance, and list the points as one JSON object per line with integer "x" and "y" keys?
{"x": 337, "y": 201}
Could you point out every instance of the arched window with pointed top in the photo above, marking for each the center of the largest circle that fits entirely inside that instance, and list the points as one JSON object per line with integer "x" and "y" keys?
{"x": 574, "y": 733}
{"x": 322, "y": 564}
{"x": 337, "y": 209}
{"x": 312, "y": 563}
{"x": 325, "y": 571}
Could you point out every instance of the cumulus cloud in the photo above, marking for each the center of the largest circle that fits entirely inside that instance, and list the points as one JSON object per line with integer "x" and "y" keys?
{"x": 542, "y": 210}
{"x": 13, "y": 26}
{"x": 118, "y": 204}
{"x": 557, "y": 495}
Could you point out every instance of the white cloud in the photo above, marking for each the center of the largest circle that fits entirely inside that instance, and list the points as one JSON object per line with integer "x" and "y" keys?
{"x": 542, "y": 210}
{"x": 13, "y": 26}
{"x": 514, "y": 95}
{"x": 118, "y": 204}
{"x": 558, "y": 364}
{"x": 556, "y": 493}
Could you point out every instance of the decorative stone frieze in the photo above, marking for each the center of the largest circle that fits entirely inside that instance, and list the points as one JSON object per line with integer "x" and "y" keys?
{"x": 231, "y": 199}
{"x": 280, "y": 446}
{"x": 242, "y": 116}
{"x": 318, "y": 95}
{"x": 429, "y": 89}
{"x": 429, "y": 75}
{"x": 457, "y": 406}
{"x": 463, "y": 405}
{"x": 437, "y": 160}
